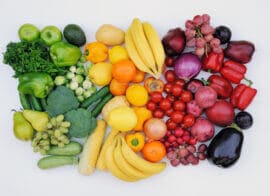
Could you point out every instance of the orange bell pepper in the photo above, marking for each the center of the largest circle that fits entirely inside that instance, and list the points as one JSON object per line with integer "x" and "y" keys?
{"x": 96, "y": 52}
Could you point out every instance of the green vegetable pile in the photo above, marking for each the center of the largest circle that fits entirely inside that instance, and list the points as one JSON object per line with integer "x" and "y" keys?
{"x": 59, "y": 101}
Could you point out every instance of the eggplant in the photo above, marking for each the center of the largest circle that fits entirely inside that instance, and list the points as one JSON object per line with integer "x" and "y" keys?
{"x": 225, "y": 148}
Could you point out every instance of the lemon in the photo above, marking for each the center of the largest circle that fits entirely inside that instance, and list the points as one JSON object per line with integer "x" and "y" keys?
{"x": 137, "y": 95}
{"x": 100, "y": 73}
{"x": 117, "y": 53}
{"x": 122, "y": 118}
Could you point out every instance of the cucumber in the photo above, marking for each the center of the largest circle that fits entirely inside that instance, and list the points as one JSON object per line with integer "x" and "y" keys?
{"x": 24, "y": 101}
{"x": 96, "y": 96}
{"x": 57, "y": 161}
{"x": 43, "y": 102}
{"x": 96, "y": 111}
{"x": 73, "y": 148}
{"x": 74, "y": 35}
{"x": 35, "y": 103}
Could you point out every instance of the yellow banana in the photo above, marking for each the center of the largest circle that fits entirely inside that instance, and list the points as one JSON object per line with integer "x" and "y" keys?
{"x": 124, "y": 166}
{"x": 155, "y": 44}
{"x": 142, "y": 45}
{"x": 133, "y": 54}
{"x": 101, "y": 165}
{"x": 136, "y": 161}
{"x": 112, "y": 167}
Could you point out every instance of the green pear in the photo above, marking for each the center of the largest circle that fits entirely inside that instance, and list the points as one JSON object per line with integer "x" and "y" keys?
{"x": 38, "y": 120}
{"x": 21, "y": 127}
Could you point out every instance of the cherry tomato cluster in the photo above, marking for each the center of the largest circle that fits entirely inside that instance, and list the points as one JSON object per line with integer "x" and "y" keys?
{"x": 173, "y": 105}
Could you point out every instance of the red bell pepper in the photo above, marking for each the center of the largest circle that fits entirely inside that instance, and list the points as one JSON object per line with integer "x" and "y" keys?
{"x": 233, "y": 71}
{"x": 221, "y": 85}
{"x": 213, "y": 62}
{"x": 242, "y": 96}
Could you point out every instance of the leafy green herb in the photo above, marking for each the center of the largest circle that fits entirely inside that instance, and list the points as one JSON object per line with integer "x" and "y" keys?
{"x": 60, "y": 101}
{"x": 82, "y": 122}
{"x": 25, "y": 57}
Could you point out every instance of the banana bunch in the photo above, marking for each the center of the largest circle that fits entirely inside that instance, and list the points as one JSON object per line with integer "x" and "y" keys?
{"x": 145, "y": 48}
{"x": 126, "y": 165}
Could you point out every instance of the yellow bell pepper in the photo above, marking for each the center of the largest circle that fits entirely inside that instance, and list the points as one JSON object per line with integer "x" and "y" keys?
{"x": 96, "y": 52}
{"x": 135, "y": 141}
{"x": 143, "y": 114}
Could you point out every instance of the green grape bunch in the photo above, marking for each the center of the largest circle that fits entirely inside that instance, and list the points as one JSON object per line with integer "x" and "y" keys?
{"x": 55, "y": 134}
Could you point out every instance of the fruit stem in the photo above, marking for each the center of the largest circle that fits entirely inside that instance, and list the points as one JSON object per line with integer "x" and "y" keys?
{"x": 205, "y": 82}
{"x": 235, "y": 126}
{"x": 249, "y": 81}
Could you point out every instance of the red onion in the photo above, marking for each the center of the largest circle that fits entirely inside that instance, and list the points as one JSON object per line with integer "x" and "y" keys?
{"x": 187, "y": 66}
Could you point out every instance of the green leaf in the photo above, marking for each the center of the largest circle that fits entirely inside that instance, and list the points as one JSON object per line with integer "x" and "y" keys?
{"x": 60, "y": 101}
{"x": 82, "y": 122}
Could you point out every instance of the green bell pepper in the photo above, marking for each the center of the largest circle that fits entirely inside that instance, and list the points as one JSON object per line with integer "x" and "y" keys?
{"x": 35, "y": 83}
{"x": 64, "y": 54}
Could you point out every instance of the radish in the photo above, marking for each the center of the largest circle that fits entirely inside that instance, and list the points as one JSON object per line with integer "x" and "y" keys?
{"x": 205, "y": 97}
{"x": 194, "y": 109}
{"x": 203, "y": 130}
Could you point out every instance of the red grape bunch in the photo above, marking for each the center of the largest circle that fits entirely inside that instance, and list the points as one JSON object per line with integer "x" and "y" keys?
{"x": 199, "y": 34}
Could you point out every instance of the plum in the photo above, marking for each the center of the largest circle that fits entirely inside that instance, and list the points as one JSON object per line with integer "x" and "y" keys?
{"x": 221, "y": 113}
{"x": 203, "y": 130}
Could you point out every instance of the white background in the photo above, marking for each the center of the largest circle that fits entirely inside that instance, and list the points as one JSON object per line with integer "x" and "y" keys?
{"x": 248, "y": 20}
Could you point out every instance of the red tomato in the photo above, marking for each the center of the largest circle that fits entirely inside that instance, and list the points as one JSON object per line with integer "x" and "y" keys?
{"x": 156, "y": 97}
{"x": 168, "y": 87}
{"x": 169, "y": 112}
{"x": 177, "y": 116}
{"x": 165, "y": 104}
{"x": 188, "y": 121}
{"x": 186, "y": 96}
{"x": 181, "y": 82}
{"x": 176, "y": 90}
{"x": 171, "y": 98}
{"x": 169, "y": 61}
{"x": 158, "y": 113}
{"x": 151, "y": 84}
{"x": 170, "y": 124}
{"x": 151, "y": 106}
{"x": 179, "y": 105}
{"x": 170, "y": 76}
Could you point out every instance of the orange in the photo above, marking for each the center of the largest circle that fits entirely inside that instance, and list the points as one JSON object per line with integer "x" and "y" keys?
{"x": 139, "y": 76}
{"x": 124, "y": 71}
{"x": 154, "y": 151}
{"x": 118, "y": 88}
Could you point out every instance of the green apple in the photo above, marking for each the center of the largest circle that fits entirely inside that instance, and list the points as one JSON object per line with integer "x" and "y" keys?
{"x": 51, "y": 35}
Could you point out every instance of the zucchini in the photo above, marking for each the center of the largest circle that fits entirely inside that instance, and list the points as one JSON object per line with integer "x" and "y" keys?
{"x": 73, "y": 148}
{"x": 96, "y": 96}
{"x": 57, "y": 161}
{"x": 24, "y": 101}
{"x": 96, "y": 111}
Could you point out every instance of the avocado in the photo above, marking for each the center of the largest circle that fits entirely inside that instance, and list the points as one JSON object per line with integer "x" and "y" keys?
{"x": 74, "y": 35}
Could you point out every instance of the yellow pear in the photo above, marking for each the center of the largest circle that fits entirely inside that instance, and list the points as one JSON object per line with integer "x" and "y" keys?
{"x": 38, "y": 120}
{"x": 22, "y": 128}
